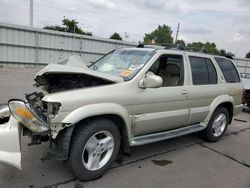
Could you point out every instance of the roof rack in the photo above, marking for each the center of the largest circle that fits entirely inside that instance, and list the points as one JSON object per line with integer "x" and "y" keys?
{"x": 229, "y": 56}
{"x": 179, "y": 47}
{"x": 204, "y": 50}
{"x": 157, "y": 47}
{"x": 162, "y": 46}
{"x": 140, "y": 45}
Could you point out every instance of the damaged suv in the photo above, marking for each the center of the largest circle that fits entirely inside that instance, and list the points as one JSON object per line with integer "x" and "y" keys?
{"x": 129, "y": 97}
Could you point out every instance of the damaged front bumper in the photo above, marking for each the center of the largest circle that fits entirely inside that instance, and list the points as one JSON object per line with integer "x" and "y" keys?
{"x": 14, "y": 118}
{"x": 10, "y": 140}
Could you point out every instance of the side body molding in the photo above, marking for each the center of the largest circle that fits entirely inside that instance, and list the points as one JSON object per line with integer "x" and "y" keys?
{"x": 100, "y": 109}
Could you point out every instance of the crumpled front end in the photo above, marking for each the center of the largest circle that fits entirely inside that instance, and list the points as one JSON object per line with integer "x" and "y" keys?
{"x": 10, "y": 139}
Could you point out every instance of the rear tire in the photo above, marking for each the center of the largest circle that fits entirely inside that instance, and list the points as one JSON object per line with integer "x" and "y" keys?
{"x": 217, "y": 125}
{"x": 94, "y": 147}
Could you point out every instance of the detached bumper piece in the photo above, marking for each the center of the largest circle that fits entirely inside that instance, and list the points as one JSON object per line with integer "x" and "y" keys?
{"x": 10, "y": 148}
{"x": 13, "y": 118}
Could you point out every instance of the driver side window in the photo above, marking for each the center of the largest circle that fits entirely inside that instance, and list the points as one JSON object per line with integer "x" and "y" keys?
{"x": 170, "y": 69}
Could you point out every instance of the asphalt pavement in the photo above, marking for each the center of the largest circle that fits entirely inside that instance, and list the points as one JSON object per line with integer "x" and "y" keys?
{"x": 186, "y": 161}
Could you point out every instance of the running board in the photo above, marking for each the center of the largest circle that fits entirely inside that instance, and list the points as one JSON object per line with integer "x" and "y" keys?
{"x": 155, "y": 137}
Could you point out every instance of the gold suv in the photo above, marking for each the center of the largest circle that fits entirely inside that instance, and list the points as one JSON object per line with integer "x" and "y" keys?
{"x": 129, "y": 97}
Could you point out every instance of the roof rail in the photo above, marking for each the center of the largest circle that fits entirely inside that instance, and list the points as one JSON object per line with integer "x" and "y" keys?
{"x": 179, "y": 47}
{"x": 162, "y": 46}
{"x": 150, "y": 46}
{"x": 204, "y": 50}
{"x": 229, "y": 56}
{"x": 140, "y": 45}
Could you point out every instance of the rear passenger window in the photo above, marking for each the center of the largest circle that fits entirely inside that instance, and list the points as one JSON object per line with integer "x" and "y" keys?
{"x": 203, "y": 71}
{"x": 228, "y": 69}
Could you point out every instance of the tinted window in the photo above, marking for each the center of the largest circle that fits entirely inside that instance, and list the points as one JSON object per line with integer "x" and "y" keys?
{"x": 229, "y": 71}
{"x": 203, "y": 71}
{"x": 170, "y": 68}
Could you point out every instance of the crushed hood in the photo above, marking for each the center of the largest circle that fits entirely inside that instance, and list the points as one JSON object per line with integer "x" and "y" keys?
{"x": 71, "y": 74}
{"x": 57, "y": 69}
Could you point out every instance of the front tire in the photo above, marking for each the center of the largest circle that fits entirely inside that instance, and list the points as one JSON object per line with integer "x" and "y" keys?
{"x": 94, "y": 147}
{"x": 217, "y": 125}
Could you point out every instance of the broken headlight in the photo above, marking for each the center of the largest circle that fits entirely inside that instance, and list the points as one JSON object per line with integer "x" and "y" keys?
{"x": 24, "y": 114}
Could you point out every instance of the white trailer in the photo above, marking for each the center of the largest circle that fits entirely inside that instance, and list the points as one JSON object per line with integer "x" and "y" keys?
{"x": 243, "y": 65}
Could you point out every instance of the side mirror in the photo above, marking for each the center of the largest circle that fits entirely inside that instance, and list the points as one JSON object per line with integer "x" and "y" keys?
{"x": 151, "y": 81}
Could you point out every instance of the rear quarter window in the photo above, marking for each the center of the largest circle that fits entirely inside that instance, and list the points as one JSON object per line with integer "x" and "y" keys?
{"x": 228, "y": 69}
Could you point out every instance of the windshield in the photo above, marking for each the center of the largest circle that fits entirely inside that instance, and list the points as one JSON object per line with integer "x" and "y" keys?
{"x": 125, "y": 63}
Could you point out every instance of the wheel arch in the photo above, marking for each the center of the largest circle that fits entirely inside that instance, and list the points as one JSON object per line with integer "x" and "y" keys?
{"x": 78, "y": 118}
{"x": 225, "y": 101}
{"x": 229, "y": 107}
{"x": 116, "y": 119}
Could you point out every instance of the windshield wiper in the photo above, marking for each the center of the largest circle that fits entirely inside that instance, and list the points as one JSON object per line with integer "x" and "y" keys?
{"x": 92, "y": 65}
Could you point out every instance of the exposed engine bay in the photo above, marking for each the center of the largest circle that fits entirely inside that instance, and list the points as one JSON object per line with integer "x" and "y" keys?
{"x": 36, "y": 103}
{"x": 69, "y": 74}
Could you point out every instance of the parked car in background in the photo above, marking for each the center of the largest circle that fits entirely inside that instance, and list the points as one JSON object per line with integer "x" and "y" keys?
{"x": 245, "y": 77}
{"x": 130, "y": 97}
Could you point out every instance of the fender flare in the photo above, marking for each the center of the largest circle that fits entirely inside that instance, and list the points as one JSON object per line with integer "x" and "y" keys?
{"x": 214, "y": 105}
{"x": 91, "y": 110}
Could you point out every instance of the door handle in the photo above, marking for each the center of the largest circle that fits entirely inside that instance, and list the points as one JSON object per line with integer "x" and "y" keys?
{"x": 184, "y": 92}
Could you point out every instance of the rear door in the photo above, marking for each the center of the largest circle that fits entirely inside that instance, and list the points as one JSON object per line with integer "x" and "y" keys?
{"x": 233, "y": 86}
{"x": 204, "y": 87}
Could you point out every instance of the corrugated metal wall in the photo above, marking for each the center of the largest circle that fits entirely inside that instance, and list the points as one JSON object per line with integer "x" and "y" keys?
{"x": 24, "y": 45}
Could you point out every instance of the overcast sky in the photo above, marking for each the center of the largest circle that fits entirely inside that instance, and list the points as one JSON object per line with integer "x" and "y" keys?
{"x": 225, "y": 22}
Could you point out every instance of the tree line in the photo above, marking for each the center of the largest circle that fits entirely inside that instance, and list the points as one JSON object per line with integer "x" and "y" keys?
{"x": 162, "y": 35}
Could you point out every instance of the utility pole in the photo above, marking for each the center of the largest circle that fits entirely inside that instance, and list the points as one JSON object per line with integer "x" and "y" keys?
{"x": 125, "y": 36}
{"x": 31, "y": 13}
{"x": 177, "y": 32}
{"x": 64, "y": 27}
{"x": 74, "y": 28}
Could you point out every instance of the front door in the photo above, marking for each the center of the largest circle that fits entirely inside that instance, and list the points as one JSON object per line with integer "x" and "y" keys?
{"x": 163, "y": 108}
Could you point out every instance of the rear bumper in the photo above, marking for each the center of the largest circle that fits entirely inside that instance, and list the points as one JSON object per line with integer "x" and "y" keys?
{"x": 238, "y": 109}
{"x": 10, "y": 143}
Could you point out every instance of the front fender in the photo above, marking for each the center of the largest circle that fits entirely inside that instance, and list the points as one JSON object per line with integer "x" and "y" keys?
{"x": 99, "y": 109}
